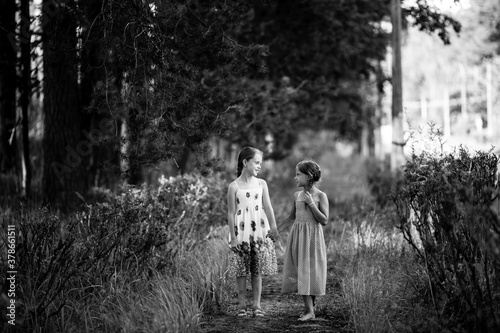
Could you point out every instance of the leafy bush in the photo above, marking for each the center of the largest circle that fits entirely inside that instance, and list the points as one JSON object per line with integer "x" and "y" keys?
{"x": 448, "y": 200}
{"x": 132, "y": 236}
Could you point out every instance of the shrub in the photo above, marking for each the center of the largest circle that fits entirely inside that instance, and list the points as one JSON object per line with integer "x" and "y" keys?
{"x": 135, "y": 235}
{"x": 448, "y": 199}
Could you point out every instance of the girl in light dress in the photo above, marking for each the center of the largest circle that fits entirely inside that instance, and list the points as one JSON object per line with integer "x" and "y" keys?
{"x": 252, "y": 230}
{"x": 304, "y": 268}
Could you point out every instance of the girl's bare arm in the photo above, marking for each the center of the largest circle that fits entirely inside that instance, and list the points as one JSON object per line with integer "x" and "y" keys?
{"x": 268, "y": 208}
{"x": 321, "y": 211}
{"x": 231, "y": 210}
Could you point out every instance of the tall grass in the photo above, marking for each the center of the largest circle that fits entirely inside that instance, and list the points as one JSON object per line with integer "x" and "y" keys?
{"x": 172, "y": 302}
{"x": 138, "y": 263}
{"x": 382, "y": 284}
{"x": 165, "y": 303}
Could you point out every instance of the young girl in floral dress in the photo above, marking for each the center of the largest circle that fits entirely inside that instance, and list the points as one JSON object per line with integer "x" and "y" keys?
{"x": 304, "y": 268}
{"x": 252, "y": 229}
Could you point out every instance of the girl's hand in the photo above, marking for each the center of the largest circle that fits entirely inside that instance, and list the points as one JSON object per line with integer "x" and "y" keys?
{"x": 273, "y": 234}
{"x": 235, "y": 247}
{"x": 308, "y": 198}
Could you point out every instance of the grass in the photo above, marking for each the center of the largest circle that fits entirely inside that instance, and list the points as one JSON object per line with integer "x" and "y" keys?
{"x": 382, "y": 283}
{"x": 173, "y": 301}
{"x": 162, "y": 303}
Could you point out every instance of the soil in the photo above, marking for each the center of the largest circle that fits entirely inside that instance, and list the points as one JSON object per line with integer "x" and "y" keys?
{"x": 283, "y": 311}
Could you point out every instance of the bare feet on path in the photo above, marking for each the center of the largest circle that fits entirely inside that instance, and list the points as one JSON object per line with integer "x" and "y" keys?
{"x": 283, "y": 312}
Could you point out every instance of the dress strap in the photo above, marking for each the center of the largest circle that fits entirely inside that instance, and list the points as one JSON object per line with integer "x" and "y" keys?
{"x": 237, "y": 185}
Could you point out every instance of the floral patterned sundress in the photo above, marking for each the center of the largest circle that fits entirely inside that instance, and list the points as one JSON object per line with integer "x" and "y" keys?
{"x": 257, "y": 255}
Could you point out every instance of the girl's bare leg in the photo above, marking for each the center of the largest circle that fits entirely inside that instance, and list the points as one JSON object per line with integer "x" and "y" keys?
{"x": 308, "y": 302}
{"x": 241, "y": 285}
{"x": 257, "y": 290}
{"x": 305, "y": 306}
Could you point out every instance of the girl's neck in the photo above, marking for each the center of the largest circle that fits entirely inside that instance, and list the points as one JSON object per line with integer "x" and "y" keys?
{"x": 308, "y": 188}
{"x": 246, "y": 178}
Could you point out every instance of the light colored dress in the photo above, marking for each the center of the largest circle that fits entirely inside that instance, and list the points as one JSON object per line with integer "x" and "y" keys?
{"x": 304, "y": 268}
{"x": 251, "y": 226}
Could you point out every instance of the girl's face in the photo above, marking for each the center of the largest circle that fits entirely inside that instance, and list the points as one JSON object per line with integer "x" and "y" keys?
{"x": 254, "y": 165}
{"x": 300, "y": 178}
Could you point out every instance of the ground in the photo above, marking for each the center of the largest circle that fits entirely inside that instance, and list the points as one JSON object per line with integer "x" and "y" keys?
{"x": 282, "y": 311}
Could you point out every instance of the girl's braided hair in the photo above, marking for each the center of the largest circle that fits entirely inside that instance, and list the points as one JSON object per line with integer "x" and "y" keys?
{"x": 311, "y": 169}
{"x": 247, "y": 153}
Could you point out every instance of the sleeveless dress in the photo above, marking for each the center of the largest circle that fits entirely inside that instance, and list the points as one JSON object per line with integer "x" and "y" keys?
{"x": 304, "y": 268}
{"x": 257, "y": 255}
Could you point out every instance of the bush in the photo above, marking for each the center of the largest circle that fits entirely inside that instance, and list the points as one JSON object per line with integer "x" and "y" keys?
{"x": 133, "y": 236}
{"x": 448, "y": 200}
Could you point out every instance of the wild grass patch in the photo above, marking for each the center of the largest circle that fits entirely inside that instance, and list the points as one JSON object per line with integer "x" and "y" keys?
{"x": 140, "y": 261}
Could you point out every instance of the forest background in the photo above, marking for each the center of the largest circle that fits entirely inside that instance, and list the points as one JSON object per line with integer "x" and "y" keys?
{"x": 147, "y": 85}
{"x": 133, "y": 109}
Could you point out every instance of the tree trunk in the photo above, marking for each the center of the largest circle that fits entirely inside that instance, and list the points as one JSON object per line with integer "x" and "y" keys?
{"x": 8, "y": 48}
{"x": 397, "y": 153}
{"x": 25, "y": 89}
{"x": 62, "y": 149}
{"x": 183, "y": 160}
{"x": 365, "y": 132}
{"x": 379, "y": 114}
{"x": 95, "y": 93}
{"x": 134, "y": 174}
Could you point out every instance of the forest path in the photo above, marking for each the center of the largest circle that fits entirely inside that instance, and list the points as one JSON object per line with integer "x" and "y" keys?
{"x": 282, "y": 311}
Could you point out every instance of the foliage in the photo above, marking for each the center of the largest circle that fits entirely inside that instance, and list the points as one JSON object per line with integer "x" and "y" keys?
{"x": 342, "y": 38}
{"x": 267, "y": 117}
{"x": 130, "y": 237}
{"x": 431, "y": 20}
{"x": 314, "y": 86}
{"x": 382, "y": 181}
{"x": 448, "y": 200}
{"x": 170, "y": 62}
{"x": 320, "y": 53}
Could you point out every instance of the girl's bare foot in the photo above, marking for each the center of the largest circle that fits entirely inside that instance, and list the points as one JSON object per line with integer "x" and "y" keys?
{"x": 307, "y": 316}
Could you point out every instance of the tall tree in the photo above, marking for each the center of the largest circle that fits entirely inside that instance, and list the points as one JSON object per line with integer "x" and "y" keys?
{"x": 397, "y": 154}
{"x": 62, "y": 159}
{"x": 8, "y": 49}
{"x": 25, "y": 92}
{"x": 99, "y": 85}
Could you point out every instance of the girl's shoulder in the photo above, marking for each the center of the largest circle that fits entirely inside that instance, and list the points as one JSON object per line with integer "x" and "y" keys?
{"x": 233, "y": 186}
{"x": 296, "y": 194}
{"x": 262, "y": 182}
{"x": 320, "y": 194}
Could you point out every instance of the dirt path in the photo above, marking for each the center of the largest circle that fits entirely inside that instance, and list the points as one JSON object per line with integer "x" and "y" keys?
{"x": 282, "y": 311}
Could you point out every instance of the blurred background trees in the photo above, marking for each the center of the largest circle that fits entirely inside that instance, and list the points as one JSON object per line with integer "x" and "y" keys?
{"x": 119, "y": 90}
